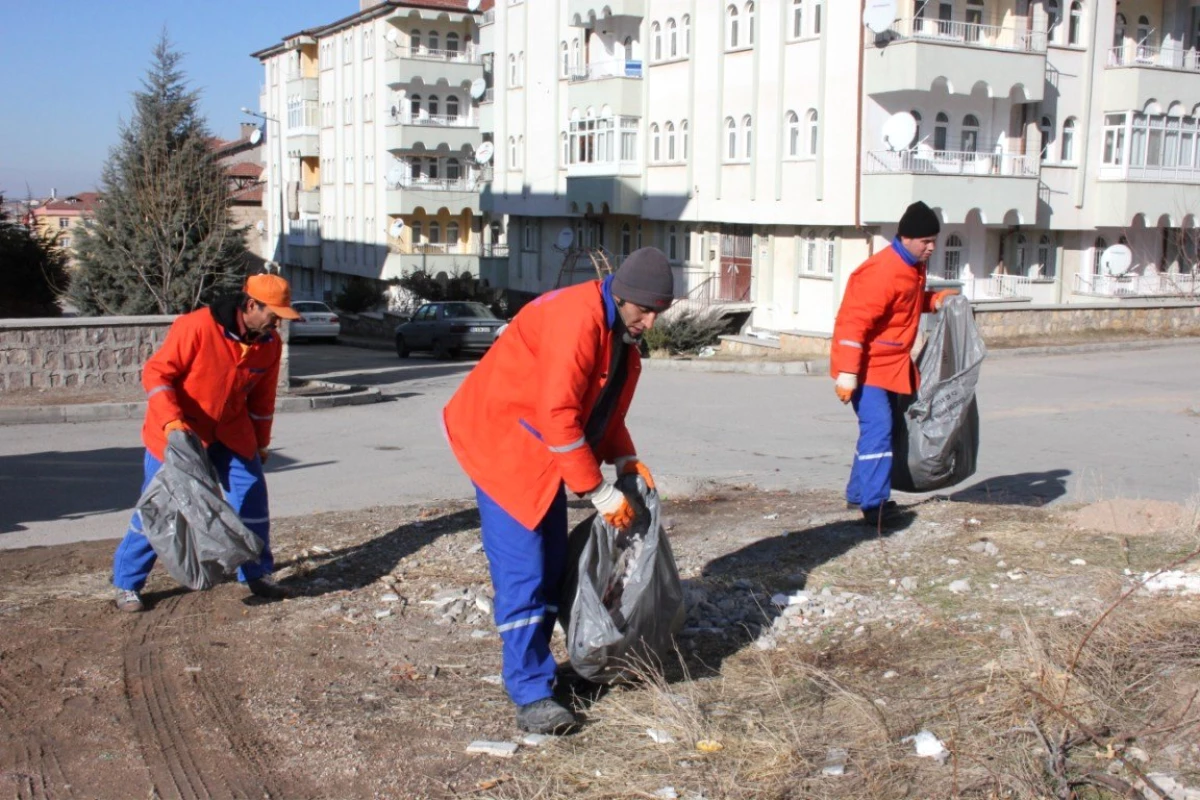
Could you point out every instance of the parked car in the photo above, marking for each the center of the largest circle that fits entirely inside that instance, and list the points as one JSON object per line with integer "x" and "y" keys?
{"x": 317, "y": 321}
{"x": 449, "y": 328}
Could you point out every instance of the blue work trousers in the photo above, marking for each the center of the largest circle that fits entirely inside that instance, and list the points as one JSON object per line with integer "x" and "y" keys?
{"x": 527, "y": 570}
{"x": 870, "y": 483}
{"x": 244, "y": 487}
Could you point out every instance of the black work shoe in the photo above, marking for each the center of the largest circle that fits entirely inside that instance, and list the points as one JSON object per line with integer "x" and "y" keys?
{"x": 545, "y": 716}
{"x": 887, "y": 514}
{"x": 130, "y": 601}
{"x": 267, "y": 589}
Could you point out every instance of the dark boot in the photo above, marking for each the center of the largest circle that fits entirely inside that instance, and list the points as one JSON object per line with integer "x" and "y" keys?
{"x": 545, "y": 716}
{"x": 267, "y": 589}
{"x": 886, "y": 515}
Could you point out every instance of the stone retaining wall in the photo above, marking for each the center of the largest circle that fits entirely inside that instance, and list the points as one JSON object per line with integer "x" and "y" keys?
{"x": 1163, "y": 319}
{"x": 77, "y": 353}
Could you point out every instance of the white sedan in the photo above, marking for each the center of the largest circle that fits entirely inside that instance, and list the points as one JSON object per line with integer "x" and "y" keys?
{"x": 317, "y": 321}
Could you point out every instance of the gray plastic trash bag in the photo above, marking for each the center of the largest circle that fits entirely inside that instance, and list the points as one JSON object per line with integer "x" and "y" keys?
{"x": 195, "y": 532}
{"x": 935, "y": 437}
{"x": 622, "y": 598}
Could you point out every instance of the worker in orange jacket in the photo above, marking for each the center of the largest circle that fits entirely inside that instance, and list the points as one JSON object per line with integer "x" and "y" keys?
{"x": 215, "y": 377}
{"x": 870, "y": 357}
{"x": 539, "y": 415}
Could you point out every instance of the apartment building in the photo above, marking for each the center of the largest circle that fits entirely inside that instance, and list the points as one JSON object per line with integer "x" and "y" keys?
{"x": 63, "y": 215}
{"x": 755, "y": 141}
{"x": 376, "y": 167}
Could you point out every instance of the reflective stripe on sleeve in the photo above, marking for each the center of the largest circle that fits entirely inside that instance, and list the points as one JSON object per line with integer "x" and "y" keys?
{"x": 849, "y": 343}
{"x": 167, "y": 388}
{"x": 575, "y": 445}
{"x": 262, "y": 417}
{"x": 521, "y": 623}
{"x": 873, "y": 456}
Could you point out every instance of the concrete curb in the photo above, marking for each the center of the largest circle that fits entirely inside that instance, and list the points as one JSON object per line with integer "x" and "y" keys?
{"x": 103, "y": 412}
{"x": 818, "y": 367}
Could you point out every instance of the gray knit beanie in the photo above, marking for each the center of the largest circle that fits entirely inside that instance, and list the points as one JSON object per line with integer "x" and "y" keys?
{"x": 644, "y": 278}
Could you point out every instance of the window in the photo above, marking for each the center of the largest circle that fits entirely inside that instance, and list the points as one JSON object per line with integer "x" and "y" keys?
{"x": 916, "y": 115}
{"x": 731, "y": 27}
{"x": 941, "y": 132}
{"x": 452, "y": 107}
{"x": 655, "y": 144}
{"x": 670, "y": 129}
{"x": 816, "y": 18}
{"x": 453, "y": 169}
{"x": 792, "y": 134}
{"x": 686, "y": 25}
{"x": 451, "y": 233}
{"x": 797, "y": 18}
{"x": 629, "y": 48}
{"x": 1143, "y": 37}
{"x": 1045, "y": 259}
{"x": 368, "y": 107}
{"x": 348, "y": 48}
{"x": 1046, "y": 129}
{"x": 512, "y": 152}
{"x": 672, "y": 244}
{"x": 626, "y": 240}
{"x": 451, "y": 42}
{"x": 1020, "y": 255}
{"x": 811, "y": 121}
{"x": 974, "y": 20}
{"x": 952, "y": 256}
{"x": 432, "y": 103}
{"x": 656, "y": 41}
{"x": 529, "y": 241}
{"x": 731, "y": 139}
{"x": 1068, "y": 141}
{"x": 566, "y": 60}
{"x": 64, "y": 242}
{"x": 433, "y": 42}
{"x": 970, "y": 134}
{"x": 566, "y": 149}
{"x": 414, "y": 42}
{"x": 414, "y": 105}
{"x": 683, "y": 139}
{"x": 512, "y": 70}
{"x": 672, "y": 39}
{"x": 749, "y": 24}
{"x": 1119, "y": 25}
{"x": 63, "y": 222}
{"x": 368, "y": 43}
{"x": 415, "y": 237}
{"x": 1098, "y": 249}
{"x": 575, "y": 62}
{"x": 1075, "y": 24}
{"x": 435, "y": 233}
{"x": 369, "y": 169}
{"x": 1053, "y": 18}
{"x": 747, "y": 132}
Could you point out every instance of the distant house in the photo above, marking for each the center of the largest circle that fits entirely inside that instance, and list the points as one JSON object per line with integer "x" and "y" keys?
{"x": 63, "y": 215}
{"x": 242, "y": 159}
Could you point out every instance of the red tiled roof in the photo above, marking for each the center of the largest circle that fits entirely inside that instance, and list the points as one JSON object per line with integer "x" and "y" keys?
{"x": 244, "y": 169}
{"x": 84, "y": 202}
{"x": 251, "y": 195}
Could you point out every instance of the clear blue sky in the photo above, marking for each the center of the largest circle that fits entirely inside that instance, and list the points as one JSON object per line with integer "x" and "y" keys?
{"x": 68, "y": 71}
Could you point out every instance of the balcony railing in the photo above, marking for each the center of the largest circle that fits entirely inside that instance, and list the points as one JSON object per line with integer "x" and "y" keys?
{"x": 1182, "y": 173}
{"x": 1158, "y": 284}
{"x": 998, "y": 287}
{"x": 470, "y": 183}
{"x": 493, "y": 251}
{"x": 950, "y": 162}
{"x": 966, "y": 34}
{"x": 614, "y": 68}
{"x": 432, "y": 120}
{"x": 468, "y": 55}
{"x": 1140, "y": 55}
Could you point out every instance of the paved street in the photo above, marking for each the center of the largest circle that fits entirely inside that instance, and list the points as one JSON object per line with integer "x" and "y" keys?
{"x": 1055, "y": 428}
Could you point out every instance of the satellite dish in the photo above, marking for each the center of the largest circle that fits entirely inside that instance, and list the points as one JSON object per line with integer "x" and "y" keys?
{"x": 1116, "y": 260}
{"x": 899, "y": 131}
{"x": 473, "y": 5}
{"x": 256, "y": 136}
{"x": 478, "y": 88}
{"x": 395, "y": 174}
{"x": 565, "y": 237}
{"x": 396, "y": 228}
{"x": 484, "y": 153}
{"x": 392, "y": 36}
{"x": 879, "y": 15}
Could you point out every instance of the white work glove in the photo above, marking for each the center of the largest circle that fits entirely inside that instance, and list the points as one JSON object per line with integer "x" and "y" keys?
{"x": 846, "y": 383}
{"x": 612, "y": 505}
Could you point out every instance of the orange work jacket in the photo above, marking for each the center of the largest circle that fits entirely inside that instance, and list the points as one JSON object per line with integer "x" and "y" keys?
{"x": 516, "y": 424}
{"x": 221, "y": 387}
{"x": 877, "y": 322}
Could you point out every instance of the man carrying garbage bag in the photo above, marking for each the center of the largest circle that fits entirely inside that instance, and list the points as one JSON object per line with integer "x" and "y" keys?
{"x": 870, "y": 357}
{"x": 215, "y": 377}
{"x": 538, "y": 415}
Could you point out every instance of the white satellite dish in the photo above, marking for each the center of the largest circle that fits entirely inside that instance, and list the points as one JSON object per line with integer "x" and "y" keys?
{"x": 899, "y": 131}
{"x": 478, "y": 88}
{"x": 879, "y": 15}
{"x": 392, "y": 36}
{"x": 565, "y": 237}
{"x": 1116, "y": 260}
{"x": 396, "y": 228}
{"x": 395, "y": 174}
{"x": 256, "y": 136}
{"x": 484, "y": 153}
{"x": 473, "y": 5}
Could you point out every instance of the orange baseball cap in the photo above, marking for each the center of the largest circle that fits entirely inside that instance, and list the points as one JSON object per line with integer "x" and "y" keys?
{"x": 273, "y": 292}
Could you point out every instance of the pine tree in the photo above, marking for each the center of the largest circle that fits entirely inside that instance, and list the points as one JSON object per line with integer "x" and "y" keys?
{"x": 33, "y": 270}
{"x": 160, "y": 241}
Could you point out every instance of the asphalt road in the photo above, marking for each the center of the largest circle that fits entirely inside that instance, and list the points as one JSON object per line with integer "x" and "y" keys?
{"x": 1073, "y": 427}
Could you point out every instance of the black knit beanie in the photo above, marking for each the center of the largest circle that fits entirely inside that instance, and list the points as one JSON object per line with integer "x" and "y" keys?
{"x": 918, "y": 222}
{"x": 644, "y": 278}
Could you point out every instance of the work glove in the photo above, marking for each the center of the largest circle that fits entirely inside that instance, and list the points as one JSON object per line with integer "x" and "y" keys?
{"x": 612, "y": 505}
{"x": 630, "y": 465}
{"x": 846, "y": 383}
{"x": 263, "y": 454}
{"x": 176, "y": 425}
{"x": 940, "y": 297}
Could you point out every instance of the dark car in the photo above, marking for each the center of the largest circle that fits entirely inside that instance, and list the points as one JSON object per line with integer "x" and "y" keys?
{"x": 449, "y": 328}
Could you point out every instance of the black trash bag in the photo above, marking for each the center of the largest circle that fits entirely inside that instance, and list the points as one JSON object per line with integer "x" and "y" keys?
{"x": 195, "y": 532}
{"x": 935, "y": 433}
{"x": 622, "y": 597}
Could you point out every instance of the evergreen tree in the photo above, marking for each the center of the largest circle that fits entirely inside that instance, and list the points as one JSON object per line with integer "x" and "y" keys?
{"x": 160, "y": 241}
{"x": 33, "y": 270}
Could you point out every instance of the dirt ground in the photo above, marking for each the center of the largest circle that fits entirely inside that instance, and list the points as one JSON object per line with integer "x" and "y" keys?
{"x": 370, "y": 684}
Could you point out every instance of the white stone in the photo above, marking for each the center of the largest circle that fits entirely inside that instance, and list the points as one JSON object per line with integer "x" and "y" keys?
{"x": 495, "y": 680}
{"x": 383, "y": 613}
{"x": 390, "y": 597}
{"x": 891, "y": 673}
{"x": 497, "y": 749}
{"x": 961, "y": 586}
{"x": 660, "y": 736}
{"x": 535, "y": 739}
{"x": 1078, "y": 562}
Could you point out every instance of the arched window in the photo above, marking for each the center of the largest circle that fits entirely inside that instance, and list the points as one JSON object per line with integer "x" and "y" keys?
{"x": 512, "y": 70}
{"x": 1053, "y": 18}
{"x": 453, "y": 169}
{"x": 1119, "y": 26}
{"x": 415, "y": 236}
{"x": 952, "y": 256}
{"x": 731, "y": 139}
{"x": 792, "y": 134}
{"x": 1075, "y": 24}
{"x": 1068, "y": 141}
{"x": 512, "y": 152}
{"x": 452, "y": 233}
{"x": 1020, "y": 255}
{"x": 566, "y": 60}
{"x": 655, "y": 144}
{"x": 1045, "y": 258}
{"x": 629, "y": 48}
{"x": 433, "y": 41}
{"x": 672, "y": 39}
{"x": 575, "y": 62}
{"x": 626, "y": 240}
{"x": 414, "y": 42}
{"x": 747, "y": 131}
{"x": 974, "y": 20}
{"x": 970, "y": 134}
{"x": 435, "y": 233}
{"x": 1046, "y": 130}
{"x": 686, "y": 25}
{"x": 916, "y": 115}
{"x": 1098, "y": 248}
{"x": 1143, "y": 38}
{"x": 656, "y": 41}
{"x": 816, "y": 18}
{"x": 433, "y": 105}
{"x": 749, "y": 23}
{"x": 414, "y": 105}
{"x": 672, "y": 244}
{"x": 941, "y": 132}
{"x": 452, "y": 107}
{"x": 452, "y": 42}
{"x": 731, "y": 27}
{"x": 670, "y": 130}
{"x": 683, "y": 139}
{"x": 811, "y": 138}
{"x": 797, "y": 18}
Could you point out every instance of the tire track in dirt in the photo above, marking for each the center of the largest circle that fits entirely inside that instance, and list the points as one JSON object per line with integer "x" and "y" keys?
{"x": 27, "y": 758}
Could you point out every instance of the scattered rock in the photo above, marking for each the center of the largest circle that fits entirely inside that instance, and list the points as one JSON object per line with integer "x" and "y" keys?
{"x": 659, "y": 736}
{"x": 497, "y": 749}
{"x": 961, "y": 586}
{"x": 928, "y": 746}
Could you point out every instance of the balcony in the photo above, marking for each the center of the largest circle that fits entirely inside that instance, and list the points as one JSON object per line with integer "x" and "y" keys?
{"x": 431, "y": 194}
{"x": 457, "y": 67}
{"x": 430, "y": 258}
{"x": 310, "y": 201}
{"x": 1001, "y": 187}
{"x": 298, "y": 85}
{"x": 616, "y": 84}
{"x": 1136, "y": 74}
{"x": 618, "y": 194}
{"x": 998, "y": 288}
{"x": 303, "y": 131}
{"x": 488, "y": 17}
{"x": 429, "y": 131}
{"x": 1157, "y": 284}
{"x": 916, "y": 54}
{"x": 1122, "y": 193}
{"x": 586, "y": 13}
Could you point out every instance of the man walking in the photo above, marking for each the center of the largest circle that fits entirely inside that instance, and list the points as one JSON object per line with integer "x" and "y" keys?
{"x": 538, "y": 415}
{"x": 871, "y": 358}
{"x": 215, "y": 377}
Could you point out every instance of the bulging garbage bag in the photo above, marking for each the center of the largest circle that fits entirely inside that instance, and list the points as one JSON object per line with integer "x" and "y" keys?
{"x": 195, "y": 532}
{"x": 935, "y": 438}
{"x": 622, "y": 597}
